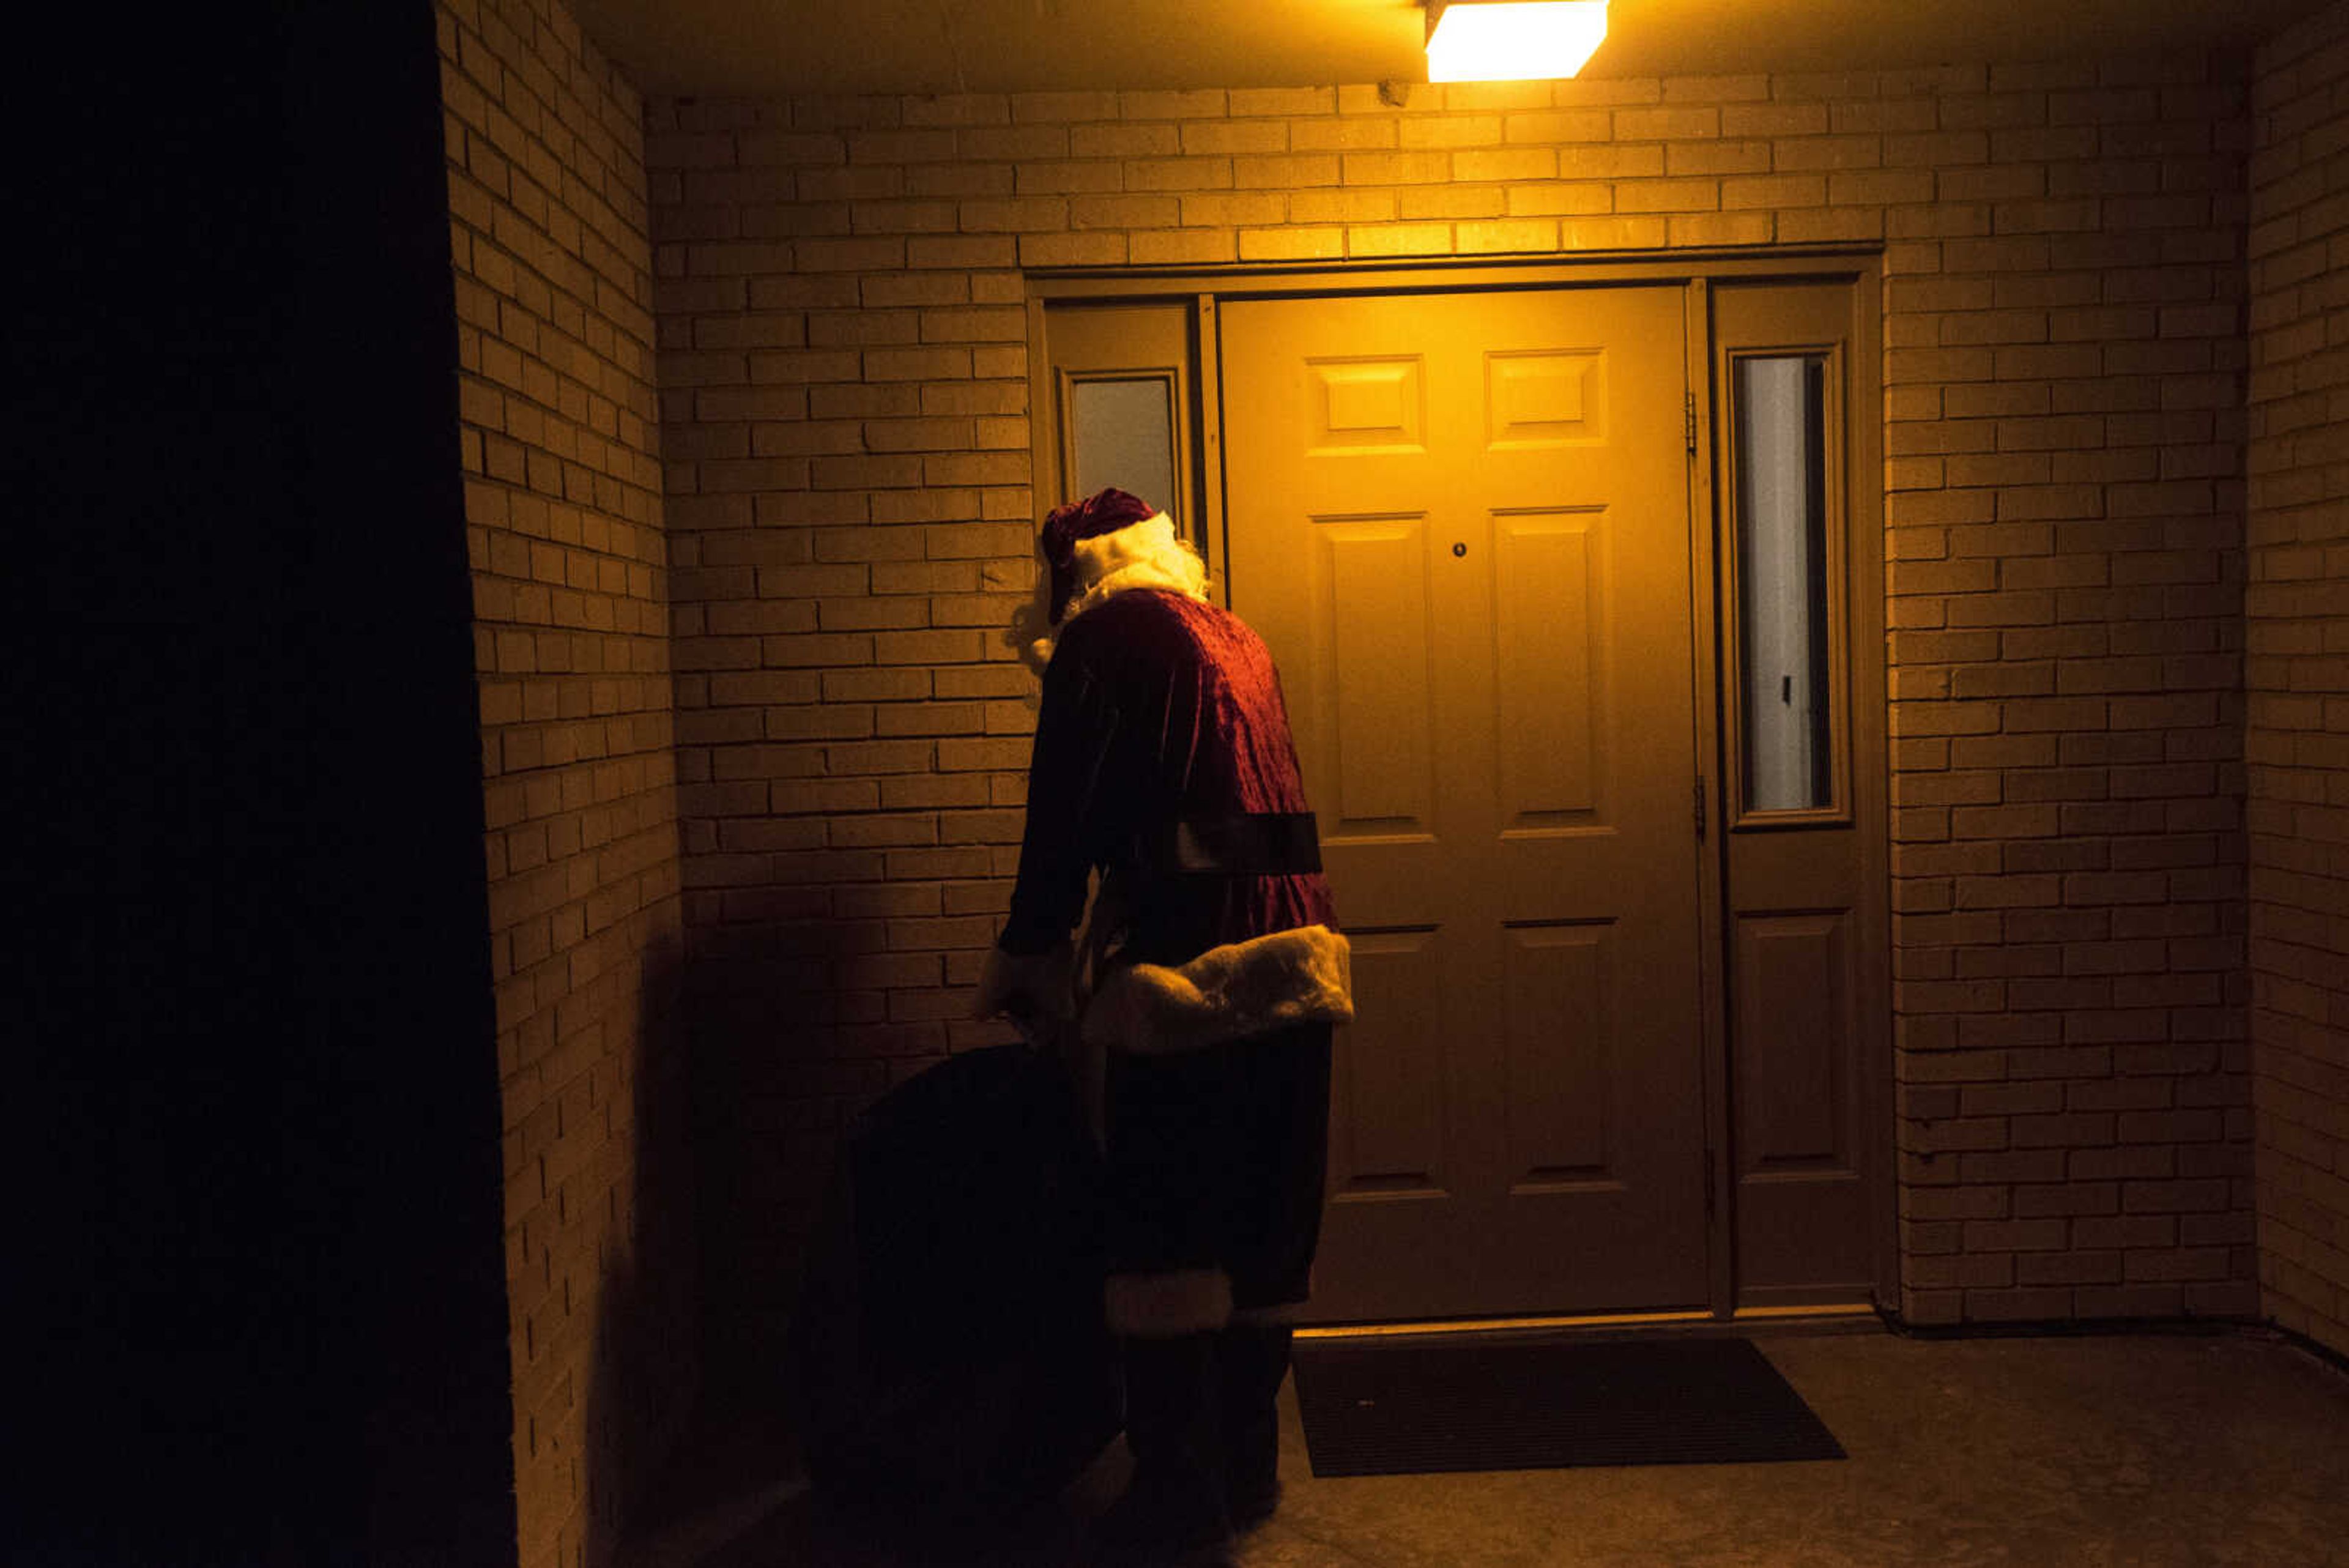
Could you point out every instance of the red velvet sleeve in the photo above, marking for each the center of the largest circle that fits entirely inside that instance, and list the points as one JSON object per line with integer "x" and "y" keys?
{"x": 1064, "y": 836}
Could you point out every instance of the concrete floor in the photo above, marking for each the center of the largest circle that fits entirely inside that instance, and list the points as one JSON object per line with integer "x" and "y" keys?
{"x": 2145, "y": 1450}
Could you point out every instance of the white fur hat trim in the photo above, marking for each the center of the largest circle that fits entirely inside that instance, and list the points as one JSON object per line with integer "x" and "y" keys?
{"x": 1145, "y": 554}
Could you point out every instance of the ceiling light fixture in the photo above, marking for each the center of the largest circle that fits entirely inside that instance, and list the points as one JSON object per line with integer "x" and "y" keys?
{"x": 1511, "y": 40}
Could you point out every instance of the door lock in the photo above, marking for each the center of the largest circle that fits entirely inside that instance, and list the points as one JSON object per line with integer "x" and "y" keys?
{"x": 1459, "y": 548}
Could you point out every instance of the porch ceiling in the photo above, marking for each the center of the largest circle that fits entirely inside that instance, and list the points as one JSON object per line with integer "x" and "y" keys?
{"x": 761, "y": 46}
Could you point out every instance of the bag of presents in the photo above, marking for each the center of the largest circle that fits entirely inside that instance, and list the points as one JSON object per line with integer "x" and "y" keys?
{"x": 949, "y": 1353}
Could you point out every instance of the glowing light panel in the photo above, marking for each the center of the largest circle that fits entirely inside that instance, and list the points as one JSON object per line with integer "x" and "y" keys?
{"x": 1513, "y": 41}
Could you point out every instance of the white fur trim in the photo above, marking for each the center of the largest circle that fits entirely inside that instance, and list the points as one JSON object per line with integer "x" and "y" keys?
{"x": 1040, "y": 980}
{"x": 1030, "y": 634}
{"x": 1298, "y": 976}
{"x": 1167, "y": 1306}
{"x": 1145, "y": 554}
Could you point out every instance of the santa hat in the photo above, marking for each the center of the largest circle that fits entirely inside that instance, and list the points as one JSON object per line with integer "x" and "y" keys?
{"x": 1107, "y": 511}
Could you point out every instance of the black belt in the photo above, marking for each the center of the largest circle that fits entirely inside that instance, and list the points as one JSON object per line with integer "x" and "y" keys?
{"x": 1256, "y": 844}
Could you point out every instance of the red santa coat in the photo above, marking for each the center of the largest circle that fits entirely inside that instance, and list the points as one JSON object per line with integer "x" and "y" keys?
{"x": 1158, "y": 709}
{"x": 1163, "y": 758}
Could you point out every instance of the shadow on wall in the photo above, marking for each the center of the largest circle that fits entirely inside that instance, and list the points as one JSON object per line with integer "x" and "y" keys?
{"x": 792, "y": 1039}
{"x": 645, "y": 1377}
{"x": 739, "y": 1125}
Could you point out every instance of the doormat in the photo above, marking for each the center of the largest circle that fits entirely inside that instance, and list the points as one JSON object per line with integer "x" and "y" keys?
{"x": 1427, "y": 1406}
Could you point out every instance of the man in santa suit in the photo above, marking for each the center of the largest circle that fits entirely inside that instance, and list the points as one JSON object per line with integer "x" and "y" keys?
{"x": 1211, "y": 978}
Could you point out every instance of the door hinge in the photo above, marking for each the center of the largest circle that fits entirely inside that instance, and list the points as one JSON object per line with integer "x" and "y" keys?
{"x": 1699, "y": 805}
{"x": 1689, "y": 407}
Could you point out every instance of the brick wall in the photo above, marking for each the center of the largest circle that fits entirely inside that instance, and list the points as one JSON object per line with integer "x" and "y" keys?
{"x": 550, "y": 231}
{"x": 2297, "y": 610}
{"x": 844, "y": 423}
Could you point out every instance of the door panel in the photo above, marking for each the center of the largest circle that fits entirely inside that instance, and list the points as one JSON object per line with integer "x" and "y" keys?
{"x": 1792, "y": 978}
{"x": 1547, "y": 628}
{"x": 1559, "y": 1124}
{"x": 1461, "y": 523}
{"x": 1372, "y": 576}
{"x": 1390, "y": 1133}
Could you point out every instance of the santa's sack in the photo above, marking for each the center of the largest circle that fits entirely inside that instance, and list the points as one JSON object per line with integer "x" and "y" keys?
{"x": 948, "y": 1353}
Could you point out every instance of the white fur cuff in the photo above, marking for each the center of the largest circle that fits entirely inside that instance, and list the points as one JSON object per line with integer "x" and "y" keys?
{"x": 1167, "y": 1306}
{"x": 1298, "y": 976}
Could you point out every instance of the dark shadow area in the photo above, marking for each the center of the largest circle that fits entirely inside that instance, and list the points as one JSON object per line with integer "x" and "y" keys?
{"x": 898, "y": 1280}
{"x": 739, "y": 1133}
{"x": 257, "y": 1117}
{"x": 774, "y": 1082}
{"x": 644, "y": 1379}
{"x": 2163, "y": 1448}
{"x": 805, "y": 1530}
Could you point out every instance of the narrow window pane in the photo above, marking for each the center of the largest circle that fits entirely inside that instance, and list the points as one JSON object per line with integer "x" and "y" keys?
{"x": 1121, "y": 432}
{"x": 1782, "y": 568}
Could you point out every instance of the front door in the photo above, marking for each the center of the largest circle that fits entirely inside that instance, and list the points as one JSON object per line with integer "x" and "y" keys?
{"x": 1461, "y": 521}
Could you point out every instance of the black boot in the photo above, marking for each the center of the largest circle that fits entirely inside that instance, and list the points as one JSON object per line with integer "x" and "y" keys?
{"x": 1173, "y": 1510}
{"x": 1251, "y": 1360}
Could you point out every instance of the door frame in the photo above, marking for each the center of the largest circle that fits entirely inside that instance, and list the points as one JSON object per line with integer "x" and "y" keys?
{"x": 1201, "y": 290}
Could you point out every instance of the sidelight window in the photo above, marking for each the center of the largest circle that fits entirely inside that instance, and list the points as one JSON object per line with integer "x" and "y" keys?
{"x": 1122, "y": 431}
{"x": 1118, "y": 402}
{"x": 1788, "y": 584}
